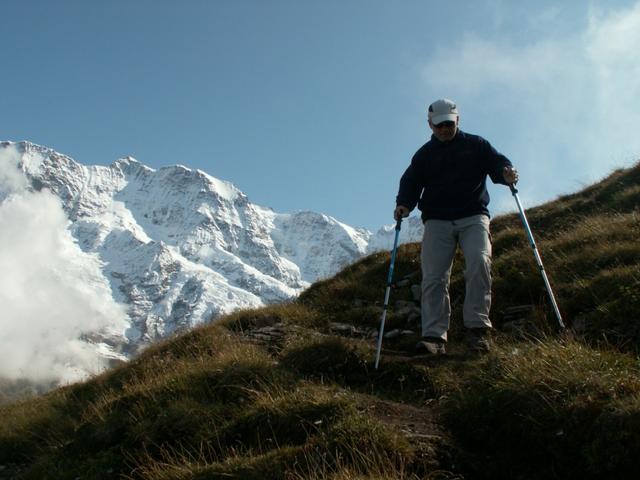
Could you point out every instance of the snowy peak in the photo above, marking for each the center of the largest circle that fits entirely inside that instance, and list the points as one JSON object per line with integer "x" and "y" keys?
{"x": 305, "y": 237}
{"x": 129, "y": 166}
{"x": 178, "y": 246}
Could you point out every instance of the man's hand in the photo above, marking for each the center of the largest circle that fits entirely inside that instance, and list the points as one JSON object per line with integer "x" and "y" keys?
{"x": 400, "y": 212}
{"x": 510, "y": 175}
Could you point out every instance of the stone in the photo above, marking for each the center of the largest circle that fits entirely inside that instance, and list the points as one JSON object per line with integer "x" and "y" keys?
{"x": 342, "y": 327}
{"x": 414, "y": 318}
{"x": 416, "y": 293}
{"x": 403, "y": 308}
{"x": 393, "y": 334}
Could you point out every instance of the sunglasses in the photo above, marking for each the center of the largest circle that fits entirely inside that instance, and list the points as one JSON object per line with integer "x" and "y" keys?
{"x": 447, "y": 124}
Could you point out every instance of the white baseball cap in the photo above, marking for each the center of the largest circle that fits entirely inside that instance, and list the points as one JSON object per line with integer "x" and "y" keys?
{"x": 443, "y": 110}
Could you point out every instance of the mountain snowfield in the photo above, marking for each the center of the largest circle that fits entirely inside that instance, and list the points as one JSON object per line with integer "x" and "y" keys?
{"x": 178, "y": 247}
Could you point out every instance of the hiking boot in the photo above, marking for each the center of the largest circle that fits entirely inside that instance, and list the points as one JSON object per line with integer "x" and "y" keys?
{"x": 431, "y": 346}
{"x": 479, "y": 340}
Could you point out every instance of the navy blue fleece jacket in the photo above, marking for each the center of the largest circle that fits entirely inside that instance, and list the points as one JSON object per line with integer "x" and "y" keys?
{"x": 448, "y": 180}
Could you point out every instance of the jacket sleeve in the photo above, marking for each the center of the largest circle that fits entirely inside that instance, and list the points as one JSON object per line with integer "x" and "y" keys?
{"x": 495, "y": 162}
{"x": 410, "y": 188}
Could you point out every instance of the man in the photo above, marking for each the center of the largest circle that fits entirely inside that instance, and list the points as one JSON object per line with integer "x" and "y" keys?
{"x": 447, "y": 180}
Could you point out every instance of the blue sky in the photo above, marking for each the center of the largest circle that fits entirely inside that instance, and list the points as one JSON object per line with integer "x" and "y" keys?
{"x": 319, "y": 105}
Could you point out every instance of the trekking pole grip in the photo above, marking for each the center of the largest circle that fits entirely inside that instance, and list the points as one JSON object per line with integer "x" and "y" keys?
{"x": 398, "y": 223}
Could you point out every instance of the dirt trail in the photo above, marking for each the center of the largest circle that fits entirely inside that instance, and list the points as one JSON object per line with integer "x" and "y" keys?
{"x": 422, "y": 427}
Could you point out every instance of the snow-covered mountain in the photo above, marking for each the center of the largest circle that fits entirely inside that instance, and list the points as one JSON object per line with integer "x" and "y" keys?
{"x": 179, "y": 247}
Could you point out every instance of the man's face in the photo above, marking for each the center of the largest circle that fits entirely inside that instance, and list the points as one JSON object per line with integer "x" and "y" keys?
{"x": 445, "y": 131}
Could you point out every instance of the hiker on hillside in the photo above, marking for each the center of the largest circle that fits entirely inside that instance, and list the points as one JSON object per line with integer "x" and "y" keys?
{"x": 447, "y": 180}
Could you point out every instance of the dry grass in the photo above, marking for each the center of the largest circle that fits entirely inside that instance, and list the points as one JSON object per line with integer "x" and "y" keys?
{"x": 553, "y": 404}
{"x": 208, "y": 404}
{"x": 284, "y": 313}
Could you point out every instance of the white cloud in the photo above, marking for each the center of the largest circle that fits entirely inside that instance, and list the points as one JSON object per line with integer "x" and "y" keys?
{"x": 565, "y": 109}
{"x": 612, "y": 49}
{"x": 11, "y": 178}
{"x": 51, "y": 292}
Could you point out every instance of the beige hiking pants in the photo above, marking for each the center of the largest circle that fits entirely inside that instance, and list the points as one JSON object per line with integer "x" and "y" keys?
{"x": 441, "y": 237}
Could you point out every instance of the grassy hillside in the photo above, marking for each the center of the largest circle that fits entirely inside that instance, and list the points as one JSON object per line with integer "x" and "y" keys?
{"x": 289, "y": 391}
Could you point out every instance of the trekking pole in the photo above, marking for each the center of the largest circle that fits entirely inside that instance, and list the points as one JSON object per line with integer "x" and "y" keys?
{"x": 386, "y": 294}
{"x": 514, "y": 191}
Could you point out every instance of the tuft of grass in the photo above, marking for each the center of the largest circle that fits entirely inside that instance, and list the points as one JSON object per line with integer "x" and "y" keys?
{"x": 360, "y": 442}
{"x": 551, "y": 405}
{"x": 268, "y": 316}
{"x": 287, "y": 420}
{"x": 352, "y": 447}
{"x": 349, "y": 363}
{"x": 333, "y": 358}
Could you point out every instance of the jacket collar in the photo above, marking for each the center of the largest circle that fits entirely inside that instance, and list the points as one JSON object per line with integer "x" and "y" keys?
{"x": 459, "y": 134}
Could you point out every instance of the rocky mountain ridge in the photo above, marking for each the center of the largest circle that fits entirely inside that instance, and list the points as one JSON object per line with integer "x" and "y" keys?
{"x": 180, "y": 247}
